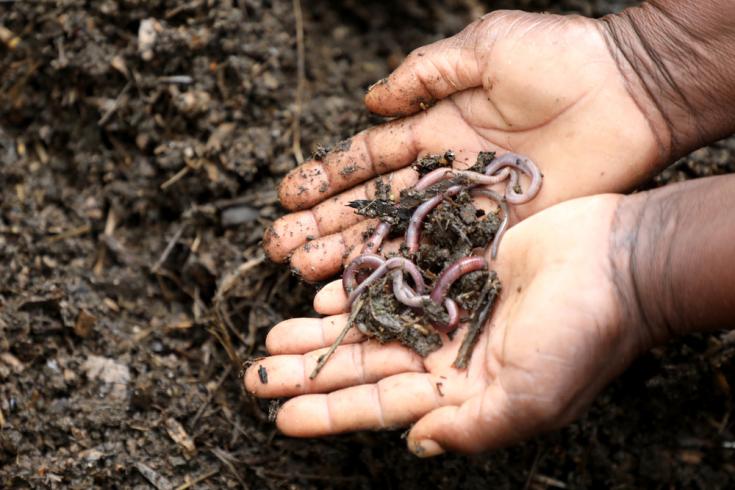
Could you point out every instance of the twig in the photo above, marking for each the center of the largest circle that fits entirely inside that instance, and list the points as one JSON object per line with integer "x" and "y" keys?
{"x": 487, "y": 297}
{"x": 115, "y": 105}
{"x": 224, "y": 457}
{"x": 231, "y": 279}
{"x": 301, "y": 76}
{"x": 79, "y": 230}
{"x": 198, "y": 479}
{"x": 262, "y": 472}
{"x": 154, "y": 478}
{"x": 110, "y": 225}
{"x": 210, "y": 396}
{"x": 168, "y": 249}
{"x": 356, "y": 307}
{"x": 534, "y": 469}
{"x": 176, "y": 177}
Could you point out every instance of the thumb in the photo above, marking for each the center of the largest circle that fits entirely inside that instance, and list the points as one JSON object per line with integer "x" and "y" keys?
{"x": 430, "y": 73}
{"x": 480, "y": 423}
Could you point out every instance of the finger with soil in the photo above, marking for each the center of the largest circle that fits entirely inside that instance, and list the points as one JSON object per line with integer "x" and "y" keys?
{"x": 428, "y": 74}
{"x": 375, "y": 151}
{"x": 392, "y": 402}
{"x": 284, "y": 235}
{"x": 322, "y": 258}
{"x": 331, "y": 216}
{"x": 350, "y": 365}
{"x": 300, "y": 335}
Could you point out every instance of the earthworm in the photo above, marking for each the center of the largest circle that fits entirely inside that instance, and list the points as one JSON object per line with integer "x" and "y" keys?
{"x": 381, "y": 267}
{"x": 436, "y": 176}
{"x": 503, "y": 223}
{"x": 433, "y": 177}
{"x": 525, "y": 165}
{"x": 349, "y": 276}
{"x": 453, "y": 311}
{"x": 409, "y": 267}
{"x": 376, "y": 239}
{"x": 404, "y": 294}
{"x": 413, "y": 232}
{"x": 454, "y": 271}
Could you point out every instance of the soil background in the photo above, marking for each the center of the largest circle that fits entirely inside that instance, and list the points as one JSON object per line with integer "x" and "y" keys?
{"x": 135, "y": 189}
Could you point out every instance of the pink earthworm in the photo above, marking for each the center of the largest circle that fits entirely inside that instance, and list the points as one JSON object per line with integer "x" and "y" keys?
{"x": 409, "y": 267}
{"x": 408, "y": 297}
{"x": 404, "y": 293}
{"x": 433, "y": 177}
{"x": 503, "y": 223}
{"x": 453, "y": 312}
{"x": 413, "y": 232}
{"x": 365, "y": 261}
{"x": 525, "y": 165}
{"x": 376, "y": 239}
{"x": 476, "y": 178}
{"x": 453, "y": 272}
{"x": 381, "y": 266}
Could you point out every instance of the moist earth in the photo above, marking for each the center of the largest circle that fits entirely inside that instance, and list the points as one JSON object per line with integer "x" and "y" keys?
{"x": 141, "y": 143}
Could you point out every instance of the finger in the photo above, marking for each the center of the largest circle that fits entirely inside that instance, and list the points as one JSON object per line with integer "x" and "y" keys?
{"x": 353, "y": 364}
{"x": 300, "y": 335}
{"x": 483, "y": 422}
{"x": 430, "y": 73}
{"x": 322, "y": 258}
{"x": 330, "y": 217}
{"x": 331, "y": 299}
{"x": 392, "y": 402}
{"x": 372, "y": 152}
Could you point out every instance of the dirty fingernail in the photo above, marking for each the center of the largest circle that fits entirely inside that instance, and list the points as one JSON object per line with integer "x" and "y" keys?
{"x": 427, "y": 448}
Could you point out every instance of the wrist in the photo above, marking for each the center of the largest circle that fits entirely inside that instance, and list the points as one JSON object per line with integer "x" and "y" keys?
{"x": 629, "y": 248}
{"x": 675, "y": 57}
{"x": 670, "y": 255}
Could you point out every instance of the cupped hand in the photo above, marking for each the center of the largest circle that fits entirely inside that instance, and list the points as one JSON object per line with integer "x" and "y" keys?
{"x": 556, "y": 337}
{"x": 545, "y": 86}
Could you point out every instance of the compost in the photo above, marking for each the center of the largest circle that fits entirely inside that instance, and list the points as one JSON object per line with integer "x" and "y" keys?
{"x": 140, "y": 146}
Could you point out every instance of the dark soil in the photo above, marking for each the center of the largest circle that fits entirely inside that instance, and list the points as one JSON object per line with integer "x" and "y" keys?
{"x": 136, "y": 185}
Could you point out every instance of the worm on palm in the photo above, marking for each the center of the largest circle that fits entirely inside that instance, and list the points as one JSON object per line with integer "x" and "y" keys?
{"x": 506, "y": 168}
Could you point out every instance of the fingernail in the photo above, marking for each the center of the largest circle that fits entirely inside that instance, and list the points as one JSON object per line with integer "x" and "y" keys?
{"x": 427, "y": 448}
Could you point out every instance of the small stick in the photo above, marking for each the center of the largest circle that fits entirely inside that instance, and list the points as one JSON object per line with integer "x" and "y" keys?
{"x": 198, "y": 479}
{"x": 478, "y": 322}
{"x": 356, "y": 307}
{"x": 300, "y": 80}
{"x": 168, "y": 249}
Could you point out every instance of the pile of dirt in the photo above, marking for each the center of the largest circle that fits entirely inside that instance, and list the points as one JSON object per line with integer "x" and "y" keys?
{"x": 141, "y": 142}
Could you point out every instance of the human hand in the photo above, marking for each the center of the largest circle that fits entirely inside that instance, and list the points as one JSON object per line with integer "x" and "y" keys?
{"x": 560, "y": 331}
{"x": 545, "y": 86}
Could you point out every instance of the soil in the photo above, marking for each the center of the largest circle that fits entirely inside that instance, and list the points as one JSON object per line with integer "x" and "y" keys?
{"x": 141, "y": 143}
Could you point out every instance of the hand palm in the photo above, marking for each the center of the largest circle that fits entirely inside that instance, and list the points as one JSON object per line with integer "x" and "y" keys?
{"x": 544, "y": 86}
{"x": 540, "y": 360}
